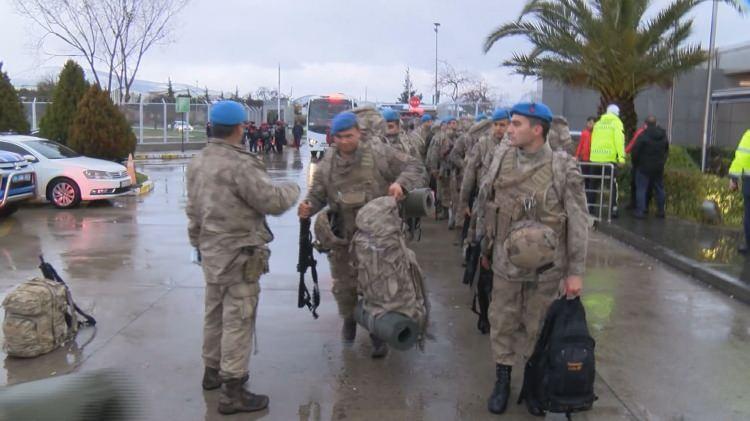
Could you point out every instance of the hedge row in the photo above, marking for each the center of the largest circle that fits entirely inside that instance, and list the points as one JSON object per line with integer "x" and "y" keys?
{"x": 687, "y": 188}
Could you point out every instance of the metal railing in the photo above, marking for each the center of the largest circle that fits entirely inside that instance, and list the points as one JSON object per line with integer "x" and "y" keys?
{"x": 599, "y": 181}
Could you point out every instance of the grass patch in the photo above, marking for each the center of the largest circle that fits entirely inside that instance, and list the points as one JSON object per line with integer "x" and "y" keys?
{"x": 140, "y": 178}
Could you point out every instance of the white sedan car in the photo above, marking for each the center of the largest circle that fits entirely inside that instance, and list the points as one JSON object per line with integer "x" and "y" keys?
{"x": 65, "y": 177}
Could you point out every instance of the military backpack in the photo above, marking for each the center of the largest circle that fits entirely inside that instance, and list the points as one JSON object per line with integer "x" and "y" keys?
{"x": 559, "y": 375}
{"x": 40, "y": 316}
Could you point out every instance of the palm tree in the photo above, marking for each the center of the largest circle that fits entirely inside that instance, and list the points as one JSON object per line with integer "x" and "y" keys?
{"x": 605, "y": 45}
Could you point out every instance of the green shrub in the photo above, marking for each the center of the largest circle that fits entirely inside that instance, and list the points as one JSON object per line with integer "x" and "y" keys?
{"x": 99, "y": 128}
{"x": 12, "y": 115}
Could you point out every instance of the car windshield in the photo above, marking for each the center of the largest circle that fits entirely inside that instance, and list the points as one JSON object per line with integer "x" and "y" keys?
{"x": 52, "y": 150}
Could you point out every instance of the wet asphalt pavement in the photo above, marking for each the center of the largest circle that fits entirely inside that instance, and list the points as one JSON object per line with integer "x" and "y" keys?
{"x": 668, "y": 348}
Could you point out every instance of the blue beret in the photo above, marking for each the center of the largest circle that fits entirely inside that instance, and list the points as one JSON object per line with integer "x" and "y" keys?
{"x": 533, "y": 109}
{"x": 227, "y": 113}
{"x": 480, "y": 117}
{"x": 448, "y": 119}
{"x": 500, "y": 114}
{"x": 389, "y": 115}
{"x": 426, "y": 117}
{"x": 343, "y": 121}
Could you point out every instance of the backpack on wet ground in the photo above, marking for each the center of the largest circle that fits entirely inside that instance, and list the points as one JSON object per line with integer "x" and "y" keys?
{"x": 40, "y": 315}
{"x": 559, "y": 375}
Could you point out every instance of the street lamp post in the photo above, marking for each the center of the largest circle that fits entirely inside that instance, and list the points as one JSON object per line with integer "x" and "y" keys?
{"x": 707, "y": 110}
{"x": 437, "y": 94}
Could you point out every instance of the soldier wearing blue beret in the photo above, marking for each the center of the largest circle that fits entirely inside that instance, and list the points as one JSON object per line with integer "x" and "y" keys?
{"x": 532, "y": 217}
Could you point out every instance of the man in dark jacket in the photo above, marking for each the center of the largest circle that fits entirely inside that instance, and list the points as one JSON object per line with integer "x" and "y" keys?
{"x": 279, "y": 136}
{"x": 649, "y": 157}
{"x": 297, "y": 133}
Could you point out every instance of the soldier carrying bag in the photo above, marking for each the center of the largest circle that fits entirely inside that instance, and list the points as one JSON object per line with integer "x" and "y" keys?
{"x": 40, "y": 315}
{"x": 559, "y": 375}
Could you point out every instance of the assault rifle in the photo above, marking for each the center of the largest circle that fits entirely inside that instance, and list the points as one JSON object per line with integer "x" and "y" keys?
{"x": 307, "y": 260}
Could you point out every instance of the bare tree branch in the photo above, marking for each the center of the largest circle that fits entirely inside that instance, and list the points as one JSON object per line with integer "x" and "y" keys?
{"x": 116, "y": 34}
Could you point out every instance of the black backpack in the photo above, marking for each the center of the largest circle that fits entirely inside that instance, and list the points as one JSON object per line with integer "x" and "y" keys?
{"x": 559, "y": 375}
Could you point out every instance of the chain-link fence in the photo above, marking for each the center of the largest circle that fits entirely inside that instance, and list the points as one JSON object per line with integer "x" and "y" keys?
{"x": 461, "y": 109}
{"x": 154, "y": 122}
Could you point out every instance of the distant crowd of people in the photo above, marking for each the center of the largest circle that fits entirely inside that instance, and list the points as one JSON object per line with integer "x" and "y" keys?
{"x": 267, "y": 137}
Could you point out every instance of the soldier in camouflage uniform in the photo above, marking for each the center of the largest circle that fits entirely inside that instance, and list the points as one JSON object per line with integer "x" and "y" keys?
{"x": 559, "y": 138}
{"x": 425, "y": 133}
{"x": 479, "y": 158}
{"x": 371, "y": 123}
{"x": 458, "y": 159}
{"x": 532, "y": 209}
{"x": 397, "y": 138}
{"x": 229, "y": 195}
{"x": 444, "y": 168}
{"x": 358, "y": 171}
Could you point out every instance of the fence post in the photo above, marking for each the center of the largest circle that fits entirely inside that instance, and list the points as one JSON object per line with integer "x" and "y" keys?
{"x": 140, "y": 119}
{"x": 187, "y": 123}
{"x": 164, "y": 125}
{"x": 33, "y": 115}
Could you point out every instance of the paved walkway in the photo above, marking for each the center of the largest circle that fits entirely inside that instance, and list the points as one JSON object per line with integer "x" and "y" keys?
{"x": 706, "y": 252}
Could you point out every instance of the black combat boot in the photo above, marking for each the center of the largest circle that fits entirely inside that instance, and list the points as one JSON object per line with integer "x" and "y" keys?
{"x": 349, "y": 329}
{"x": 379, "y": 347}
{"x": 499, "y": 399}
{"x": 234, "y": 398}
{"x": 212, "y": 380}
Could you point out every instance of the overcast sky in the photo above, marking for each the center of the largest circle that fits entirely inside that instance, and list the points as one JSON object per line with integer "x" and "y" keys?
{"x": 327, "y": 46}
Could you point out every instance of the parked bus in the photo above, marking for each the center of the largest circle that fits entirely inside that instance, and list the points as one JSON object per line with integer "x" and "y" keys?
{"x": 320, "y": 112}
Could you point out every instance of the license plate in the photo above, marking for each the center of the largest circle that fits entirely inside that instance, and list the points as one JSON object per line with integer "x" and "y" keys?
{"x": 21, "y": 178}
{"x": 125, "y": 183}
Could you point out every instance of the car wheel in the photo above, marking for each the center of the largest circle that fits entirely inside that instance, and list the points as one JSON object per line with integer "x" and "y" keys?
{"x": 313, "y": 154}
{"x": 8, "y": 210}
{"x": 64, "y": 193}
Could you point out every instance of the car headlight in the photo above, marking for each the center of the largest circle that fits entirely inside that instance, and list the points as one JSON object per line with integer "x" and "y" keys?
{"x": 97, "y": 175}
{"x": 313, "y": 142}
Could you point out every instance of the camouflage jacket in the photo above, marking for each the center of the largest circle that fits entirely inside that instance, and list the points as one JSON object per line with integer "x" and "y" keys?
{"x": 229, "y": 196}
{"x": 566, "y": 190}
{"x": 466, "y": 142}
{"x": 403, "y": 143}
{"x": 391, "y": 166}
{"x": 477, "y": 162}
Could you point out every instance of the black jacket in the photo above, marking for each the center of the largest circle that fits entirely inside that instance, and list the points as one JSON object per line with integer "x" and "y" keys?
{"x": 651, "y": 151}
{"x": 297, "y": 131}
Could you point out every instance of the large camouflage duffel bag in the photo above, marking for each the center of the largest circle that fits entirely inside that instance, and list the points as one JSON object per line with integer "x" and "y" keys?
{"x": 39, "y": 317}
{"x": 388, "y": 274}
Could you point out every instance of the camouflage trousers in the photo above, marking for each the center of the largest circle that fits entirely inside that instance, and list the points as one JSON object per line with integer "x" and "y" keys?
{"x": 229, "y": 321}
{"x": 344, "y": 273}
{"x": 444, "y": 191}
{"x": 516, "y": 314}
{"x": 455, "y": 195}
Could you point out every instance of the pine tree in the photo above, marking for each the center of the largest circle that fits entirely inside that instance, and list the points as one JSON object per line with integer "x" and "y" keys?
{"x": 69, "y": 90}
{"x": 170, "y": 91}
{"x": 407, "y": 92}
{"x": 12, "y": 116}
{"x": 100, "y": 129}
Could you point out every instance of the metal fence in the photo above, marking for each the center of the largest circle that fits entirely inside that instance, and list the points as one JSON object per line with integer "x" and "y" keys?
{"x": 459, "y": 109}
{"x": 154, "y": 122}
{"x": 599, "y": 181}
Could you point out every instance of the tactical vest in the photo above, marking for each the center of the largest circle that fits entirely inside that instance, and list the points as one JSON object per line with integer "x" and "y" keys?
{"x": 349, "y": 192}
{"x": 529, "y": 219}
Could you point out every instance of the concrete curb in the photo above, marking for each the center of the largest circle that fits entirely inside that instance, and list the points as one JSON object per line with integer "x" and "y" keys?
{"x": 165, "y": 156}
{"x": 717, "y": 279}
{"x": 146, "y": 187}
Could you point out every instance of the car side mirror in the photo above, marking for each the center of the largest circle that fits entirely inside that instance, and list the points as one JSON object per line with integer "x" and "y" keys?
{"x": 30, "y": 158}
